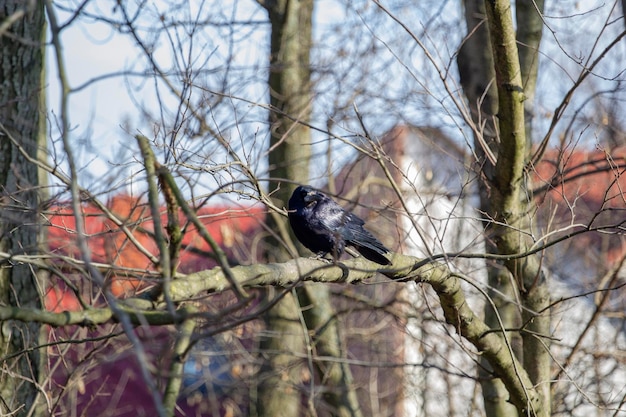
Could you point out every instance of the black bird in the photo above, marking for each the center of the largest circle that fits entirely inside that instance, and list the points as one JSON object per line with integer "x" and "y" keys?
{"x": 323, "y": 226}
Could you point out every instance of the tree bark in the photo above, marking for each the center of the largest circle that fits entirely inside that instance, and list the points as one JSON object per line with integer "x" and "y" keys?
{"x": 512, "y": 203}
{"x": 282, "y": 347}
{"x": 536, "y": 298}
{"x": 503, "y": 193}
{"x": 529, "y": 30}
{"x": 320, "y": 318}
{"x": 289, "y": 164}
{"x": 444, "y": 282}
{"x": 290, "y": 94}
{"x": 476, "y": 69}
{"x": 22, "y": 118}
{"x": 280, "y": 390}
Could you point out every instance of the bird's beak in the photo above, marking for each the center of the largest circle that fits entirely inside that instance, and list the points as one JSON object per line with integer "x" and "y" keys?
{"x": 311, "y": 197}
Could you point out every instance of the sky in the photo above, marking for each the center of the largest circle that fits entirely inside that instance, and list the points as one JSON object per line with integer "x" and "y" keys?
{"x": 107, "y": 113}
{"x": 106, "y": 107}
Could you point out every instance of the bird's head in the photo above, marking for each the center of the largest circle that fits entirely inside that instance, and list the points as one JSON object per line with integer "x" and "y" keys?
{"x": 307, "y": 196}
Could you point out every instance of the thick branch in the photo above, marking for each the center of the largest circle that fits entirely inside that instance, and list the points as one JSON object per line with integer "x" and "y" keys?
{"x": 529, "y": 29}
{"x": 510, "y": 164}
{"x": 511, "y": 204}
{"x": 404, "y": 268}
{"x": 175, "y": 379}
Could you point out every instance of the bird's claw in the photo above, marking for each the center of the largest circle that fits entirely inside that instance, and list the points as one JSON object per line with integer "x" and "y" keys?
{"x": 321, "y": 258}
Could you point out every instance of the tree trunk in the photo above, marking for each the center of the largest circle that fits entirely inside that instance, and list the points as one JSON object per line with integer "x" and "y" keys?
{"x": 529, "y": 31}
{"x": 289, "y": 163}
{"x": 511, "y": 203}
{"x": 280, "y": 390}
{"x": 320, "y": 317}
{"x": 500, "y": 81}
{"x": 23, "y": 124}
{"x": 477, "y": 74}
{"x": 290, "y": 94}
{"x": 535, "y": 296}
{"x": 280, "y": 386}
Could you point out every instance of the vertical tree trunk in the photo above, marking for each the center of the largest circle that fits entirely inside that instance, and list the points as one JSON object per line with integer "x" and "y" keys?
{"x": 279, "y": 392}
{"x": 500, "y": 81}
{"x": 511, "y": 202}
{"x": 289, "y": 159}
{"x": 290, "y": 94}
{"x": 290, "y": 152}
{"x": 477, "y": 74}
{"x": 529, "y": 31}
{"x": 21, "y": 114}
{"x": 535, "y": 291}
{"x": 339, "y": 393}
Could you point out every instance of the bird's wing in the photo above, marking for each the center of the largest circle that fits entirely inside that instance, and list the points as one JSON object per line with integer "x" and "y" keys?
{"x": 357, "y": 235}
{"x": 347, "y": 225}
{"x": 331, "y": 215}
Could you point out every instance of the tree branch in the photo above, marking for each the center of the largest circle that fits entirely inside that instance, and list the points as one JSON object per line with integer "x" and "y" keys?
{"x": 404, "y": 268}
{"x": 175, "y": 379}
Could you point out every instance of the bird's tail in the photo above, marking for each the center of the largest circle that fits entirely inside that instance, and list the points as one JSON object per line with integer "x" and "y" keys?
{"x": 374, "y": 254}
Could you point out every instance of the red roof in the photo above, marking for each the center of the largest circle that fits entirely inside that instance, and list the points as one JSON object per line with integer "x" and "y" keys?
{"x": 585, "y": 188}
{"x": 109, "y": 244}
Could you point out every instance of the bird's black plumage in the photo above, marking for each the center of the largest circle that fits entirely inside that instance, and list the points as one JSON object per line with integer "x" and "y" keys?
{"x": 323, "y": 226}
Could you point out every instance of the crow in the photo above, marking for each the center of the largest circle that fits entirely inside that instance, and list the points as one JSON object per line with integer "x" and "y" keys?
{"x": 323, "y": 226}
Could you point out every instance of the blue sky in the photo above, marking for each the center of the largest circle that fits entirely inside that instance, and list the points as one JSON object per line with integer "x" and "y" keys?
{"x": 400, "y": 85}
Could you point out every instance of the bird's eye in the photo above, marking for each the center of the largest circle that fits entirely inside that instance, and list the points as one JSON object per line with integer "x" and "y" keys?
{"x": 310, "y": 204}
